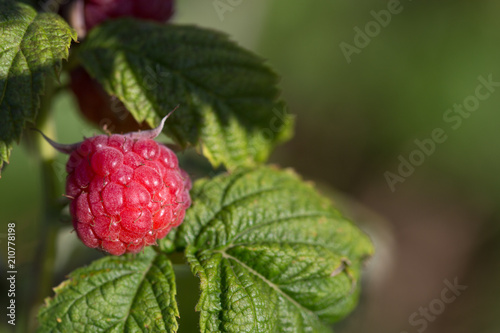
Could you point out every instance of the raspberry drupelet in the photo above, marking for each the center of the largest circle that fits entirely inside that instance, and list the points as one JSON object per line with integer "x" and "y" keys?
{"x": 97, "y": 11}
{"x": 126, "y": 190}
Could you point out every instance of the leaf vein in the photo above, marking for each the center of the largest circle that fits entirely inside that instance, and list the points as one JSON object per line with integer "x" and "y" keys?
{"x": 272, "y": 285}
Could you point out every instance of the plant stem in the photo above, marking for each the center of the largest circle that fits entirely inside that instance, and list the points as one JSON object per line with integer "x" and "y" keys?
{"x": 49, "y": 228}
{"x": 52, "y": 205}
{"x": 177, "y": 258}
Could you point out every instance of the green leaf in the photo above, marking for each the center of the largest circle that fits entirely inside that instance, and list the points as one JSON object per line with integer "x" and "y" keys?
{"x": 115, "y": 294}
{"x": 32, "y": 45}
{"x": 227, "y": 96}
{"x": 271, "y": 253}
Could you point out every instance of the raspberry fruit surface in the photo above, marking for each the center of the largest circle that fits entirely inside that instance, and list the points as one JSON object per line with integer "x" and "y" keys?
{"x": 100, "y": 108}
{"x": 97, "y": 11}
{"x": 127, "y": 190}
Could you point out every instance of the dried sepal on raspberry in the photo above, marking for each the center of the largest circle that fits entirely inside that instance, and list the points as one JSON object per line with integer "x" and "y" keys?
{"x": 126, "y": 190}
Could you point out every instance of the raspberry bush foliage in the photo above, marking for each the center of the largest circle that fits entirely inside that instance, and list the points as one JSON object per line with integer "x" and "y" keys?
{"x": 270, "y": 252}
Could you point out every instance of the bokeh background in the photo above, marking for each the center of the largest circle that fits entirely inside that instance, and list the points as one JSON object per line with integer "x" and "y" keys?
{"x": 353, "y": 122}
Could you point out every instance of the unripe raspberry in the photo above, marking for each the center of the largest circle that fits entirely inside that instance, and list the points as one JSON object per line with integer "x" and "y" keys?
{"x": 127, "y": 190}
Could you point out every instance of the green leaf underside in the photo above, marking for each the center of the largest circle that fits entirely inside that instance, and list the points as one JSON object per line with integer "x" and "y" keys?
{"x": 31, "y": 46}
{"x": 272, "y": 254}
{"x": 227, "y": 97}
{"x": 115, "y": 294}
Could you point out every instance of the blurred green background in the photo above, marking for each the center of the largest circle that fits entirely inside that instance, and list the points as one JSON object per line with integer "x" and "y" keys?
{"x": 353, "y": 121}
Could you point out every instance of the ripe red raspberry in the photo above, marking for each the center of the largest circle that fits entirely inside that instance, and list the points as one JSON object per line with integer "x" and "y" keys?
{"x": 127, "y": 190}
{"x": 97, "y": 11}
{"x": 99, "y": 107}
